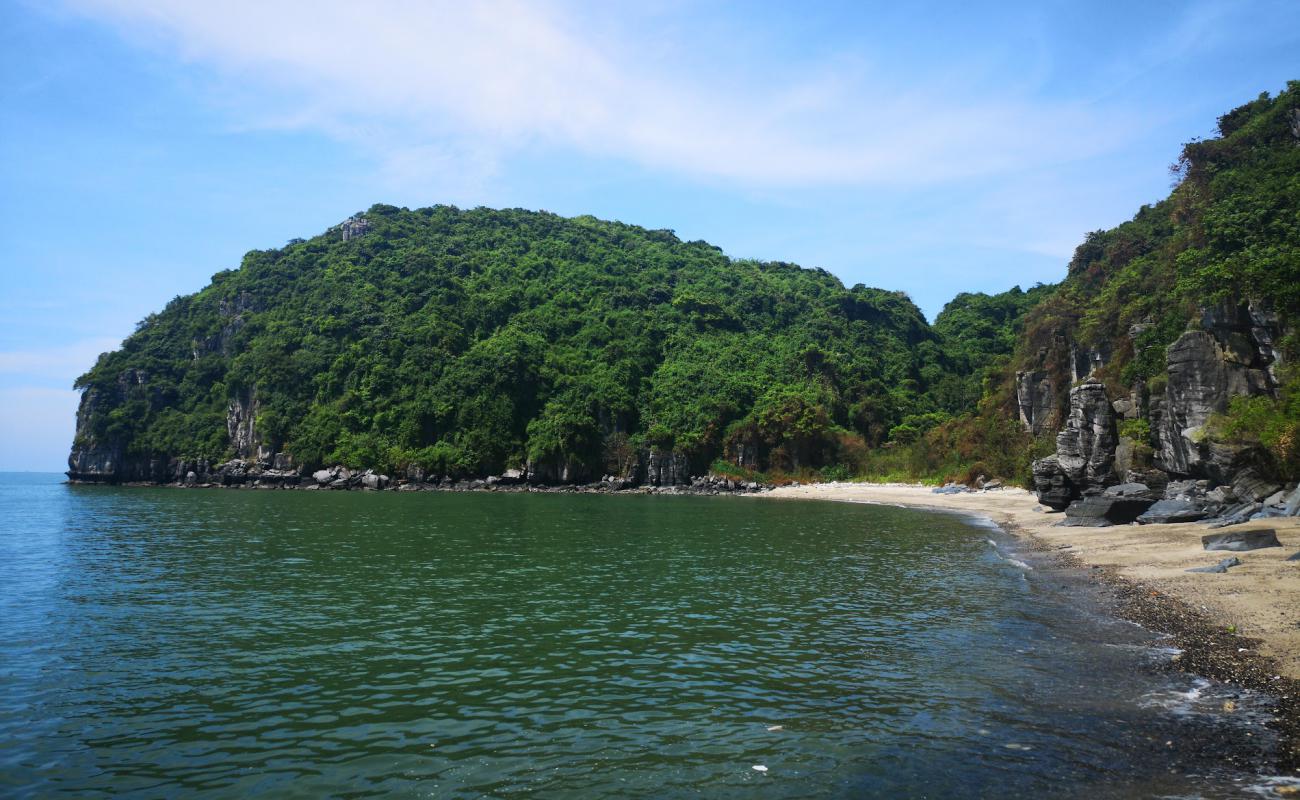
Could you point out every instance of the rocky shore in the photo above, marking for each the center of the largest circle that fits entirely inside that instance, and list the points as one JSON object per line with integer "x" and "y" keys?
{"x": 278, "y": 472}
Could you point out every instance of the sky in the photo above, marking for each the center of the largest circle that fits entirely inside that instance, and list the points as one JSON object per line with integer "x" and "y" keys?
{"x": 932, "y": 148}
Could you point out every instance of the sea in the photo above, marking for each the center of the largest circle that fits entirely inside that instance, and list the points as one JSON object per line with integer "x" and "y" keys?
{"x": 163, "y": 642}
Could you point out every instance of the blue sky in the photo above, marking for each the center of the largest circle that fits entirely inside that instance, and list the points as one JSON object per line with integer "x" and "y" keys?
{"x": 927, "y": 147}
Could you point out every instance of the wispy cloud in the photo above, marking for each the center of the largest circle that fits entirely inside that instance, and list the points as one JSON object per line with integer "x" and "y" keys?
{"x": 451, "y": 85}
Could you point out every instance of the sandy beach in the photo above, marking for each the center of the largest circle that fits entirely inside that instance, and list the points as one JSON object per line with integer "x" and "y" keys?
{"x": 1259, "y": 600}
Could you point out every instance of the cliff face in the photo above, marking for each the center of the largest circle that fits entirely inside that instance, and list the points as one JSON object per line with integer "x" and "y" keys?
{"x": 1232, "y": 355}
{"x": 1173, "y": 316}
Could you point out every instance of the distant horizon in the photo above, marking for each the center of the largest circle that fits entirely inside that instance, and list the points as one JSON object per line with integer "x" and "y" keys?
{"x": 147, "y": 146}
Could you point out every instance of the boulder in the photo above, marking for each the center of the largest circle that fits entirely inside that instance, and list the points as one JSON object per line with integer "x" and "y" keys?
{"x": 1102, "y": 511}
{"x": 1221, "y": 494}
{"x": 1248, "y": 485}
{"x": 324, "y": 476}
{"x": 1241, "y": 541}
{"x": 1292, "y": 503}
{"x": 1167, "y": 511}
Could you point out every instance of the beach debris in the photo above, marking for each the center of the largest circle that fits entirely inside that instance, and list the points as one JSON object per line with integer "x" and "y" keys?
{"x": 1222, "y": 566}
{"x": 1241, "y": 541}
{"x": 1017, "y": 746}
{"x": 774, "y": 728}
{"x": 759, "y": 768}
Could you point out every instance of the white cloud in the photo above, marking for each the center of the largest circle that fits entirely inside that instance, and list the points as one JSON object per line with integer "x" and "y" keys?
{"x": 425, "y": 84}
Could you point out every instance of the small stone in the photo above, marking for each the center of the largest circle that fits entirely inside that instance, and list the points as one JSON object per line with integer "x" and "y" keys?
{"x": 1220, "y": 567}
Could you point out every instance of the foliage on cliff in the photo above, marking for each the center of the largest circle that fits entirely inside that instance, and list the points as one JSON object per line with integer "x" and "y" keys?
{"x": 1229, "y": 231}
{"x": 471, "y": 341}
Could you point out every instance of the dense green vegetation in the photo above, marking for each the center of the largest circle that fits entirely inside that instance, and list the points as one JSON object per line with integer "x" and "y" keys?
{"x": 466, "y": 342}
{"x": 471, "y": 341}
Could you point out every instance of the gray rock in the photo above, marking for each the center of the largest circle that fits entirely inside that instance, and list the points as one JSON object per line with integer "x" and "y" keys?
{"x": 1168, "y": 511}
{"x": 1035, "y": 399}
{"x": 1241, "y": 541}
{"x": 1294, "y": 557}
{"x": 371, "y": 481}
{"x": 1138, "y": 490}
{"x": 1292, "y": 505}
{"x": 1249, "y": 485}
{"x": 1221, "y": 494}
{"x": 1235, "y": 515}
{"x": 324, "y": 476}
{"x": 1275, "y": 499}
{"x": 1102, "y": 511}
{"x": 1222, "y": 566}
{"x": 1085, "y": 449}
{"x": 1231, "y": 356}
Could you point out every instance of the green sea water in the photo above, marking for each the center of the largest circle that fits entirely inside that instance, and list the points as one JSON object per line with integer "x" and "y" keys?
{"x": 236, "y": 643}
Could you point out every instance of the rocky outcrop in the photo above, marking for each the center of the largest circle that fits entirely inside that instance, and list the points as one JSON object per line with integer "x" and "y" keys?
{"x": 1232, "y": 355}
{"x": 667, "y": 468}
{"x": 1035, "y": 399}
{"x": 560, "y": 470}
{"x": 1085, "y": 450}
{"x": 98, "y": 460}
{"x": 241, "y": 424}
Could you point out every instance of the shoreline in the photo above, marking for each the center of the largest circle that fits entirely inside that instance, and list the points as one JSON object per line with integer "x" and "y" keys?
{"x": 1241, "y": 627}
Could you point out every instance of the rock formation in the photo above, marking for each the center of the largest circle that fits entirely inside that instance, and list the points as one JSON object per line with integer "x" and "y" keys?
{"x": 1085, "y": 449}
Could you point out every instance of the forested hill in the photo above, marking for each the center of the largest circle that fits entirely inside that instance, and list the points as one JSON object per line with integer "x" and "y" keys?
{"x": 470, "y": 342}
{"x": 466, "y": 343}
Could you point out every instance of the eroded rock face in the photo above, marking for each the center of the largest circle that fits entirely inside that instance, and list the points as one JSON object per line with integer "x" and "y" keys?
{"x": 1232, "y": 356}
{"x": 1085, "y": 449}
{"x": 667, "y": 469}
{"x": 1036, "y": 397}
{"x": 241, "y": 423}
{"x": 98, "y": 461}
